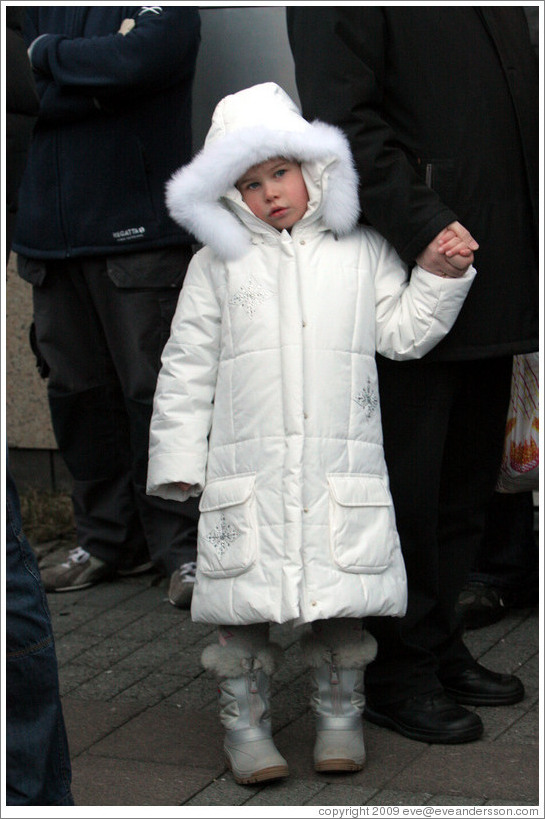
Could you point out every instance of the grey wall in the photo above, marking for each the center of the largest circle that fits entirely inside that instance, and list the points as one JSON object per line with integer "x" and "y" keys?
{"x": 240, "y": 47}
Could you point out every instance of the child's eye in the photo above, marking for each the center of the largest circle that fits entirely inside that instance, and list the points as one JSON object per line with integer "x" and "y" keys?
{"x": 252, "y": 186}
{"x": 281, "y": 172}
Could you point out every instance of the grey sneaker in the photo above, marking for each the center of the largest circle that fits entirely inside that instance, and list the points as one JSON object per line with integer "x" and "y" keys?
{"x": 180, "y": 590}
{"x": 79, "y": 571}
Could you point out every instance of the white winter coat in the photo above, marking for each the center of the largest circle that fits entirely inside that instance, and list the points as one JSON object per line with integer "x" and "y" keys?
{"x": 267, "y": 400}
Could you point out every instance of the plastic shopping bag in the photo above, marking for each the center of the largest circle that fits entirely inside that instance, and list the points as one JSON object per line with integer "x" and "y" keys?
{"x": 519, "y": 470}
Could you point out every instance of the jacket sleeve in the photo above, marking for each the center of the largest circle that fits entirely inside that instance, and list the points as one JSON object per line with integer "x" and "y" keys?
{"x": 340, "y": 58}
{"x": 414, "y": 314}
{"x": 184, "y": 396}
{"x": 159, "y": 51}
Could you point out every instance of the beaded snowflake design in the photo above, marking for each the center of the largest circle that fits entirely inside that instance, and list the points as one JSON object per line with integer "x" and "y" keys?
{"x": 250, "y": 296}
{"x": 223, "y": 535}
{"x": 367, "y": 398}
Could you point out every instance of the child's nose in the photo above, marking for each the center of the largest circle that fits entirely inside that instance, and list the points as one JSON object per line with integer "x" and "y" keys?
{"x": 269, "y": 190}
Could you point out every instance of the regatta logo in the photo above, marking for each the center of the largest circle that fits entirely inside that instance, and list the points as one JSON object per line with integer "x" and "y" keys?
{"x": 152, "y": 9}
{"x": 129, "y": 233}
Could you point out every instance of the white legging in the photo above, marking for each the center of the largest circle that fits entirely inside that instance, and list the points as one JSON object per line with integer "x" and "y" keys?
{"x": 333, "y": 633}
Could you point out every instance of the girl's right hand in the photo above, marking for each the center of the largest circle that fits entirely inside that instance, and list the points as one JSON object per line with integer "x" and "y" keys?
{"x": 185, "y": 487}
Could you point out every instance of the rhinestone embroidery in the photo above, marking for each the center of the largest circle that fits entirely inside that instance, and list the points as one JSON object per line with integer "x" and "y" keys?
{"x": 367, "y": 399}
{"x": 250, "y": 296}
{"x": 223, "y": 536}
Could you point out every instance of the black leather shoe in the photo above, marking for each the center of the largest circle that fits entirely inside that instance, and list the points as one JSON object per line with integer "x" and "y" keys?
{"x": 477, "y": 685}
{"x": 428, "y": 718}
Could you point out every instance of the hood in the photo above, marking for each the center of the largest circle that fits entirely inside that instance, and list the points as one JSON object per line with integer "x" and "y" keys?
{"x": 249, "y": 127}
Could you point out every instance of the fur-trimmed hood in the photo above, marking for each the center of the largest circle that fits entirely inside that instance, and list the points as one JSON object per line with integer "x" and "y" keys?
{"x": 249, "y": 127}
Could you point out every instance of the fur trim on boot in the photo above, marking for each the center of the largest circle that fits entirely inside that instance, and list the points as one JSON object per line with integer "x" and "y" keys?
{"x": 352, "y": 654}
{"x": 236, "y": 660}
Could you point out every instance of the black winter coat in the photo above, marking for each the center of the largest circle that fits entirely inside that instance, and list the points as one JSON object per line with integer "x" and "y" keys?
{"x": 441, "y": 109}
{"x": 114, "y": 124}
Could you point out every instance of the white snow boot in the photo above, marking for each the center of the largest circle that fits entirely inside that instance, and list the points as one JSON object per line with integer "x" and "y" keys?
{"x": 338, "y": 701}
{"x": 244, "y": 700}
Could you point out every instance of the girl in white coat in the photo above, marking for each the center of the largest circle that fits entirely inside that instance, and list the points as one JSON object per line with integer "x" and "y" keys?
{"x": 267, "y": 404}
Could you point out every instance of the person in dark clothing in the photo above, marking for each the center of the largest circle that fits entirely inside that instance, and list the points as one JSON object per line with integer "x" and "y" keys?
{"x": 38, "y": 770}
{"x": 107, "y": 263}
{"x": 440, "y": 107}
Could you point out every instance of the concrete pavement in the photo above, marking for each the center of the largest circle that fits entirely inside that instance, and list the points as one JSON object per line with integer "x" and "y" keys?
{"x": 142, "y": 721}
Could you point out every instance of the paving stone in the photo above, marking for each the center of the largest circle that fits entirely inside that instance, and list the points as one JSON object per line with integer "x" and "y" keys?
{"x": 106, "y": 654}
{"x": 223, "y": 790}
{"x": 342, "y": 794}
{"x": 201, "y": 694}
{"x": 106, "y": 684}
{"x": 387, "y": 754}
{"x": 142, "y": 716}
{"x": 388, "y": 797}
{"x": 89, "y": 721}
{"x": 482, "y": 769}
{"x": 73, "y": 675}
{"x": 113, "y": 621}
{"x": 499, "y": 720}
{"x": 447, "y": 799}
{"x": 524, "y": 731}
{"x": 71, "y": 646}
{"x": 150, "y": 689}
{"x": 286, "y": 792}
{"x": 167, "y": 737}
{"x": 104, "y": 781}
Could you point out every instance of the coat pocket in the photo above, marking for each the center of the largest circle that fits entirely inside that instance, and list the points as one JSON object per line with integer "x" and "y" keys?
{"x": 227, "y": 542}
{"x": 361, "y": 523}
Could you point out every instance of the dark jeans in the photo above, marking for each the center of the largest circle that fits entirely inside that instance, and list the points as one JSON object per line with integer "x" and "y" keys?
{"x": 443, "y": 425}
{"x": 103, "y": 344}
{"x": 38, "y": 768}
{"x": 509, "y": 557}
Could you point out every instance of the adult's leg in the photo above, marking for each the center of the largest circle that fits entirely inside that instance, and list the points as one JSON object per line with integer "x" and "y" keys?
{"x": 37, "y": 759}
{"x": 136, "y": 322}
{"x": 443, "y": 427}
{"x": 88, "y": 415}
{"x": 508, "y": 558}
{"x": 470, "y": 470}
{"x": 416, "y": 400}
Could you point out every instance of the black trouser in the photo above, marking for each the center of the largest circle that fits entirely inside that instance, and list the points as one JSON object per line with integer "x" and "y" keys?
{"x": 103, "y": 346}
{"x": 444, "y": 425}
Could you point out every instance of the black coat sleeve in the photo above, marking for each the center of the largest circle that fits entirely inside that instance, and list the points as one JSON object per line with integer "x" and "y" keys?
{"x": 341, "y": 67}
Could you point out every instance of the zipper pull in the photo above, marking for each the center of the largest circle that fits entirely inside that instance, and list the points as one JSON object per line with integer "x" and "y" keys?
{"x": 333, "y": 674}
{"x": 253, "y": 683}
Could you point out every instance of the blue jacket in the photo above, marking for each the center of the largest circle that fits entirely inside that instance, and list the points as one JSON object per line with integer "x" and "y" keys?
{"x": 114, "y": 124}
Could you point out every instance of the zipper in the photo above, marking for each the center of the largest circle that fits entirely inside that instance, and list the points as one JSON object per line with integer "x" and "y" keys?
{"x": 429, "y": 174}
{"x": 335, "y": 687}
{"x": 253, "y": 698}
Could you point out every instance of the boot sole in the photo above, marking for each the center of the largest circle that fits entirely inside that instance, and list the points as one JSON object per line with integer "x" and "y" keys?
{"x": 421, "y": 735}
{"x": 274, "y": 772}
{"x": 482, "y": 699}
{"x": 332, "y": 765}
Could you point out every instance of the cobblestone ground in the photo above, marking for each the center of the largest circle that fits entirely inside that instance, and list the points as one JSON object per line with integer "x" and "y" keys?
{"x": 143, "y": 727}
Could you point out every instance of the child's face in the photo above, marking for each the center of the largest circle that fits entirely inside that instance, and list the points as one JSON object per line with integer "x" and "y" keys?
{"x": 275, "y": 192}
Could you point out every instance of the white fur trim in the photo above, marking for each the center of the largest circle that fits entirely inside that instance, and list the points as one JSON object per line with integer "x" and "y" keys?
{"x": 194, "y": 191}
{"x": 232, "y": 660}
{"x": 352, "y": 654}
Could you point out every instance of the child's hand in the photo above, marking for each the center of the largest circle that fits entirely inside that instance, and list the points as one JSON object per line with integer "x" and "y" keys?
{"x": 185, "y": 487}
{"x": 450, "y": 253}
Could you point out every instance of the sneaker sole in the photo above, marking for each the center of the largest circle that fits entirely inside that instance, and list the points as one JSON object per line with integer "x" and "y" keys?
{"x": 145, "y": 567}
{"x": 76, "y": 587}
{"x": 421, "y": 735}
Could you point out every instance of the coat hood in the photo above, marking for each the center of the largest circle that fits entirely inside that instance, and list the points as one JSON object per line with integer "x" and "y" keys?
{"x": 247, "y": 128}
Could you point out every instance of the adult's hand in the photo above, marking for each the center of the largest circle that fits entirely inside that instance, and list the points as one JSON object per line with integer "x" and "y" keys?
{"x": 450, "y": 253}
